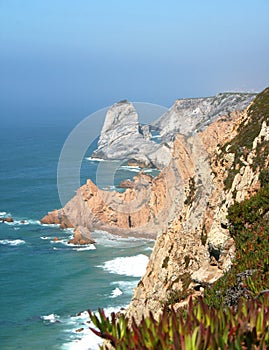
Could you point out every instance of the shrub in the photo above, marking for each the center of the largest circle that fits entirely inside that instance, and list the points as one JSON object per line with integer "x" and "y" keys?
{"x": 202, "y": 327}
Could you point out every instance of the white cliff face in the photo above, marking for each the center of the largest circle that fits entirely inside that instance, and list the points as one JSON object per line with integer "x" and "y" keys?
{"x": 120, "y": 127}
{"x": 189, "y": 115}
{"x": 121, "y": 139}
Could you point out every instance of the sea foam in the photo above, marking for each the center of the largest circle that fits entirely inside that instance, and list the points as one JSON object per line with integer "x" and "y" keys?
{"x": 109, "y": 240}
{"x": 134, "y": 266}
{"x": 84, "y": 339}
{"x": 126, "y": 286}
{"x": 95, "y": 159}
{"x": 115, "y": 293}
{"x": 82, "y": 249}
{"x": 52, "y": 318}
{"x": 12, "y": 242}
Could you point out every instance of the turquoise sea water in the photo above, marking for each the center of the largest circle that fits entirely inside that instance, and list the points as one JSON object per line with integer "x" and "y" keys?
{"x": 44, "y": 284}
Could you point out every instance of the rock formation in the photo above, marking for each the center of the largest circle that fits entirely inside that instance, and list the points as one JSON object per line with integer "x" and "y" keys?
{"x": 197, "y": 249}
{"x": 7, "y": 219}
{"x": 126, "y": 184}
{"x": 143, "y": 210}
{"x": 82, "y": 236}
{"x": 122, "y": 138}
{"x": 194, "y": 114}
{"x": 186, "y": 205}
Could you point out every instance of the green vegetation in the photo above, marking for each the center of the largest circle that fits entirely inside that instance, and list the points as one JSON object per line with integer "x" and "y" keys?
{"x": 201, "y": 327}
{"x": 247, "y": 132}
{"x": 249, "y": 226}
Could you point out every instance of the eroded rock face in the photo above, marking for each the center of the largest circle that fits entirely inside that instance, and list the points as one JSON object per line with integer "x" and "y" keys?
{"x": 197, "y": 249}
{"x": 185, "y": 207}
{"x": 127, "y": 184}
{"x": 190, "y": 114}
{"x": 122, "y": 138}
{"x": 141, "y": 211}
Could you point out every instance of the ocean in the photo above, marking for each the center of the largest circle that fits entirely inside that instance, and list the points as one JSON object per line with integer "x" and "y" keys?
{"x": 46, "y": 285}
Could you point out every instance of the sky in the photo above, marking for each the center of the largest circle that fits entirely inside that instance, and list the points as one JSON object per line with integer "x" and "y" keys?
{"x": 67, "y": 59}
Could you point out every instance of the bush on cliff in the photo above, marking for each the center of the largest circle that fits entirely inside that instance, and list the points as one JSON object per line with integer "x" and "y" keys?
{"x": 202, "y": 327}
{"x": 249, "y": 226}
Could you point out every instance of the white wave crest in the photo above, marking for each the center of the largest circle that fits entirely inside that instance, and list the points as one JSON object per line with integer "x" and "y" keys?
{"x": 134, "y": 266}
{"x": 3, "y": 213}
{"x": 150, "y": 249}
{"x": 109, "y": 240}
{"x": 88, "y": 247}
{"x": 126, "y": 286}
{"x": 133, "y": 168}
{"x": 12, "y": 242}
{"x": 95, "y": 159}
{"x": 52, "y": 318}
{"x": 82, "y": 338}
{"x": 115, "y": 293}
{"x": 19, "y": 222}
{"x": 49, "y": 225}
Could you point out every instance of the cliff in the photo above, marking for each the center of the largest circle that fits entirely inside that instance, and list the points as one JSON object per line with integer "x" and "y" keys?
{"x": 196, "y": 250}
{"x": 194, "y": 114}
{"x": 185, "y": 207}
{"x": 141, "y": 211}
{"x": 123, "y": 138}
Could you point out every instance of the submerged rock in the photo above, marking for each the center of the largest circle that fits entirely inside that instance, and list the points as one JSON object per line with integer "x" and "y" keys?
{"x": 7, "y": 219}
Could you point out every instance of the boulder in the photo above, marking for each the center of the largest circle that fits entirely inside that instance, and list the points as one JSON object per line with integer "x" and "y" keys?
{"x": 126, "y": 184}
{"x": 7, "y": 219}
{"x": 82, "y": 236}
{"x": 57, "y": 217}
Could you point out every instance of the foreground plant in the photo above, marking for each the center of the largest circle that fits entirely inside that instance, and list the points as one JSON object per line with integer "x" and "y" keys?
{"x": 201, "y": 327}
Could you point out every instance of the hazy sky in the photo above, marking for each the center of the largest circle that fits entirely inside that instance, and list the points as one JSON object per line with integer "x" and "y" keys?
{"x": 66, "y": 56}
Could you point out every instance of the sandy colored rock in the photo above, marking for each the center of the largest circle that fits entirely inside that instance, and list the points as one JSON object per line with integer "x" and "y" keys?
{"x": 126, "y": 184}
{"x": 185, "y": 208}
{"x": 197, "y": 249}
{"x": 82, "y": 236}
{"x": 7, "y": 219}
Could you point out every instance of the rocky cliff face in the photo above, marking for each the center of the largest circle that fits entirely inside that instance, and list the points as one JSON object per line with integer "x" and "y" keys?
{"x": 225, "y": 161}
{"x": 185, "y": 207}
{"x": 194, "y": 114}
{"x": 141, "y": 211}
{"x": 122, "y": 138}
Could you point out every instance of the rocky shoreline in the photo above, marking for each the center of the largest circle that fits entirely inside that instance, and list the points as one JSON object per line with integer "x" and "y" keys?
{"x": 184, "y": 208}
{"x": 148, "y": 204}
